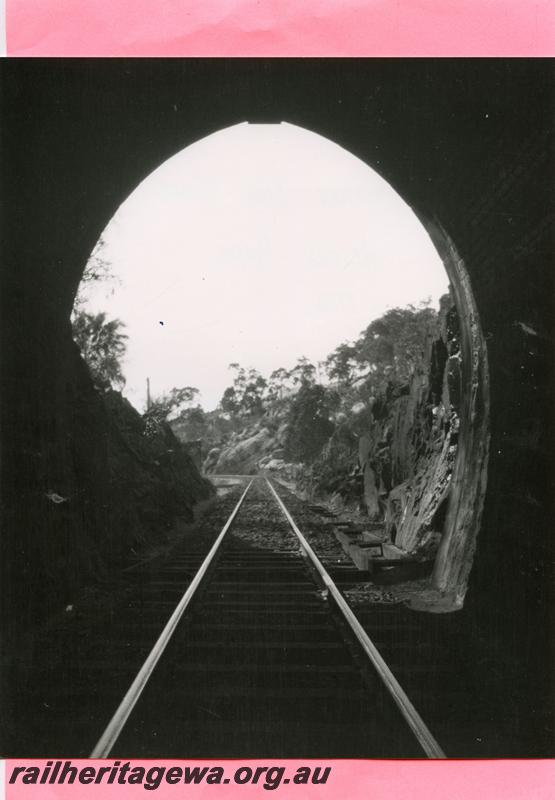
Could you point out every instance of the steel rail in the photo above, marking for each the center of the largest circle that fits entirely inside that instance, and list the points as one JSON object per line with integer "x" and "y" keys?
{"x": 410, "y": 714}
{"x": 115, "y": 726}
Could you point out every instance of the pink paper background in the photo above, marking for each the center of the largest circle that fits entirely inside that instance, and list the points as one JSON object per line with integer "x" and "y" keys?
{"x": 349, "y": 779}
{"x": 280, "y": 27}
{"x": 300, "y": 28}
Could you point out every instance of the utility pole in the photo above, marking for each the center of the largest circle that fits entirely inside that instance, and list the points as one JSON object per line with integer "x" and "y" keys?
{"x": 148, "y": 400}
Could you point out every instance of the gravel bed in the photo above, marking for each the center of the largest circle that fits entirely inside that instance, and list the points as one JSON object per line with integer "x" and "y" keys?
{"x": 316, "y": 529}
{"x": 319, "y": 534}
{"x": 261, "y": 524}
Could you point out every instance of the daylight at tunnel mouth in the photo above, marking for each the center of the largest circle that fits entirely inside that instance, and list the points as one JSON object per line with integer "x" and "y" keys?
{"x": 206, "y": 285}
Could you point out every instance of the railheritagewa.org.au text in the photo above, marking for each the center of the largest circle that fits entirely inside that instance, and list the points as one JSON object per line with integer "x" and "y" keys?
{"x": 269, "y": 777}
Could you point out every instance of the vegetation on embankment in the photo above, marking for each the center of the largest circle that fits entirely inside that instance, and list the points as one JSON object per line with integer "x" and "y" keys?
{"x": 107, "y": 480}
{"x": 373, "y": 429}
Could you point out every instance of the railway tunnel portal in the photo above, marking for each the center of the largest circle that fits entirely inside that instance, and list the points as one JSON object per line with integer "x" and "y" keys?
{"x": 471, "y": 161}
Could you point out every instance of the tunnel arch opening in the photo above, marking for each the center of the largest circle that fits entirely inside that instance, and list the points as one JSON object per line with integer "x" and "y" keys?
{"x": 461, "y": 506}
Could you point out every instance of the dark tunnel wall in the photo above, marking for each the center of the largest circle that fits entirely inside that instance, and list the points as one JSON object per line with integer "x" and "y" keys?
{"x": 469, "y": 144}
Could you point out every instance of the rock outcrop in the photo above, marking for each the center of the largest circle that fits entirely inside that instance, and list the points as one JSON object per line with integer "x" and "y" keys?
{"x": 153, "y": 477}
{"x": 243, "y": 453}
{"x": 389, "y": 459}
{"x": 407, "y": 446}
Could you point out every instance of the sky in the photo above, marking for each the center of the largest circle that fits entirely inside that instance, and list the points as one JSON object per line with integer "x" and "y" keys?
{"x": 258, "y": 244}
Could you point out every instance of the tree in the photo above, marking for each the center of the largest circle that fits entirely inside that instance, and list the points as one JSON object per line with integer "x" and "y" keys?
{"x": 172, "y": 404}
{"x": 244, "y": 397}
{"x": 191, "y": 423}
{"x": 309, "y": 424}
{"x": 102, "y": 344}
{"x": 97, "y": 270}
{"x": 395, "y": 343}
{"x": 342, "y": 363}
{"x": 304, "y": 372}
{"x": 390, "y": 349}
{"x": 101, "y": 341}
{"x": 251, "y": 401}
{"x": 278, "y": 384}
{"x": 230, "y": 402}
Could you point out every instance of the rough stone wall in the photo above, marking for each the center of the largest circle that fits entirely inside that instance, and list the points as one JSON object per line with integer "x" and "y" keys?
{"x": 406, "y": 447}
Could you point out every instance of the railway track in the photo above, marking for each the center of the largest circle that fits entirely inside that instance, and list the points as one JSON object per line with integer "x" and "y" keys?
{"x": 261, "y": 656}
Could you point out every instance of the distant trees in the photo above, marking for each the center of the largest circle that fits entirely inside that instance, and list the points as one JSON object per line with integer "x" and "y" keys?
{"x": 390, "y": 348}
{"x": 386, "y": 354}
{"x": 102, "y": 344}
{"x": 303, "y": 373}
{"x": 342, "y": 364}
{"x": 250, "y": 392}
{"x": 319, "y": 408}
{"x": 171, "y": 404}
{"x": 245, "y": 396}
{"x": 311, "y": 402}
{"x": 309, "y": 424}
{"x": 395, "y": 342}
{"x": 278, "y": 384}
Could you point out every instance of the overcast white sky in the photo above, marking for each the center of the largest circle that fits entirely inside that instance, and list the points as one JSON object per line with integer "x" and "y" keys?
{"x": 258, "y": 244}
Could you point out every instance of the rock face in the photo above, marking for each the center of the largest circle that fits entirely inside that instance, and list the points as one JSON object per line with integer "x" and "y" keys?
{"x": 96, "y": 487}
{"x": 409, "y": 454}
{"x": 390, "y": 459}
{"x": 407, "y": 447}
{"x": 243, "y": 454}
{"x": 153, "y": 477}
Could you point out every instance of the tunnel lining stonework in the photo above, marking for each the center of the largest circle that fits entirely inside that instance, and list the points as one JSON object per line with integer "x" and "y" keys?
{"x": 469, "y": 479}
